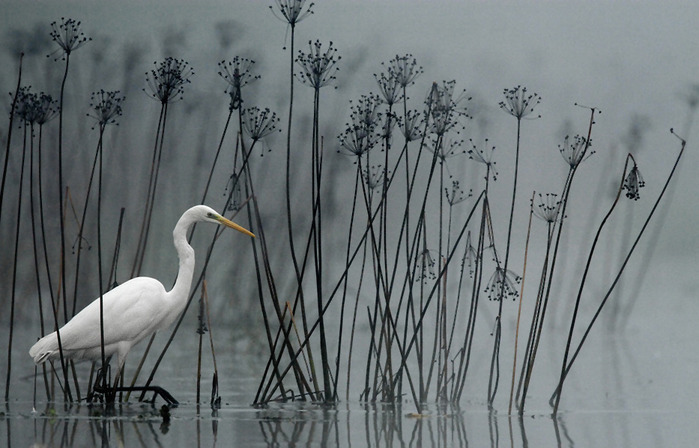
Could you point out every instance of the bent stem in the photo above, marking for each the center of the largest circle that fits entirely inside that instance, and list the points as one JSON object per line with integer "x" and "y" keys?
{"x": 565, "y": 369}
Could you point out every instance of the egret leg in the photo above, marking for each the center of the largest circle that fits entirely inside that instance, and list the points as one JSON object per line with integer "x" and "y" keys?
{"x": 102, "y": 387}
{"x": 157, "y": 390}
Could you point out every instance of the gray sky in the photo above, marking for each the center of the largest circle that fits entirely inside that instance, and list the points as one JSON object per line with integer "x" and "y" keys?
{"x": 625, "y": 57}
{"x": 628, "y": 58}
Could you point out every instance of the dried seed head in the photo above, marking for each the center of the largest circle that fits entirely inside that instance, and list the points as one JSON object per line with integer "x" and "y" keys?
{"x": 633, "y": 183}
{"x": 106, "y": 106}
{"x": 259, "y": 123}
{"x": 484, "y": 155}
{"x": 292, "y": 11}
{"x": 166, "y": 82}
{"x": 47, "y": 108}
{"x": 502, "y": 284}
{"x": 519, "y": 103}
{"x": 426, "y": 266}
{"x": 318, "y": 68}
{"x": 237, "y": 74}
{"x": 575, "y": 151}
{"x": 374, "y": 176}
{"x": 448, "y": 148}
{"x": 470, "y": 256}
{"x": 547, "y": 207}
{"x": 411, "y": 125}
{"x": 404, "y": 69}
{"x": 68, "y": 36}
{"x": 361, "y": 134}
{"x": 455, "y": 194}
{"x": 32, "y": 108}
{"x": 388, "y": 87}
{"x": 444, "y": 108}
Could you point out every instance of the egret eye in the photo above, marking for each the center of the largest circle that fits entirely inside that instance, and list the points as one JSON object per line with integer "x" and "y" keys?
{"x": 209, "y": 215}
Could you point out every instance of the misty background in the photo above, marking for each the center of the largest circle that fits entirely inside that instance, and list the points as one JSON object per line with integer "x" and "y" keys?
{"x": 634, "y": 60}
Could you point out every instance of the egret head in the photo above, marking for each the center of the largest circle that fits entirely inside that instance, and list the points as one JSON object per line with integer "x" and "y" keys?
{"x": 204, "y": 213}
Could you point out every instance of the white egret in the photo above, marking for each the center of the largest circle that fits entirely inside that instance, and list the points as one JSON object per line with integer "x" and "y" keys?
{"x": 133, "y": 310}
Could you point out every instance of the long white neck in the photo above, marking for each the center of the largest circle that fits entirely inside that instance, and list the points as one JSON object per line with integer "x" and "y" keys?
{"x": 180, "y": 291}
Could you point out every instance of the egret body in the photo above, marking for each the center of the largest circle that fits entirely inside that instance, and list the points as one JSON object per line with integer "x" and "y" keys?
{"x": 134, "y": 310}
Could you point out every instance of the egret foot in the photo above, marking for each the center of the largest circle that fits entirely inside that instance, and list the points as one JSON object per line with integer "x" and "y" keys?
{"x": 103, "y": 389}
{"x": 110, "y": 393}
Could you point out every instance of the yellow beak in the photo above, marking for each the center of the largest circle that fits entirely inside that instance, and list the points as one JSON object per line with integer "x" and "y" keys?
{"x": 235, "y": 226}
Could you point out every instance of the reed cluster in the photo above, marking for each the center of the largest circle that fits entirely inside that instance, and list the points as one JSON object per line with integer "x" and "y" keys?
{"x": 387, "y": 302}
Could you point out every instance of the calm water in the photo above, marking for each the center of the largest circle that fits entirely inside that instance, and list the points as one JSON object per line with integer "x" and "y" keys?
{"x": 635, "y": 390}
{"x": 345, "y": 426}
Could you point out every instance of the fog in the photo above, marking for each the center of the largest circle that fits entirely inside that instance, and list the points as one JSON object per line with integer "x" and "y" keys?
{"x": 635, "y": 62}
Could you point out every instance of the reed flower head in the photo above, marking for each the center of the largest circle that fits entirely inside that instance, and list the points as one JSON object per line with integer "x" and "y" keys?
{"x": 426, "y": 266}
{"x": 411, "y": 125}
{"x": 67, "y": 35}
{"x": 33, "y": 108}
{"x": 361, "y": 134}
{"x": 547, "y": 207}
{"x": 235, "y": 199}
{"x": 456, "y": 194}
{"x": 404, "y": 69}
{"x": 293, "y": 11}
{"x": 470, "y": 255}
{"x": 388, "y": 87}
{"x": 575, "y": 151}
{"x": 106, "y": 107}
{"x": 237, "y": 74}
{"x": 259, "y": 123}
{"x": 366, "y": 110}
{"x": 444, "y": 107}
{"x": 47, "y": 108}
{"x": 502, "y": 284}
{"x": 519, "y": 103}
{"x": 167, "y": 80}
{"x": 484, "y": 155}
{"x": 633, "y": 183}
{"x": 374, "y": 176}
{"x": 386, "y": 126}
{"x": 448, "y": 148}
{"x": 24, "y": 106}
{"x": 358, "y": 139}
{"x": 318, "y": 68}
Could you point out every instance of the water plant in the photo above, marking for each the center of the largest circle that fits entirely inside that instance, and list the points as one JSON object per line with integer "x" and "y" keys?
{"x": 391, "y": 237}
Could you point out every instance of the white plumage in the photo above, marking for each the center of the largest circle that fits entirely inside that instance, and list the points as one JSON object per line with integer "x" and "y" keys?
{"x": 132, "y": 311}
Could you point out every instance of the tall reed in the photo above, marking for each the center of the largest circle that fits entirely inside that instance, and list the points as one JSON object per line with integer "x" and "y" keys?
{"x": 631, "y": 182}
{"x": 397, "y": 296}
{"x": 520, "y": 105}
